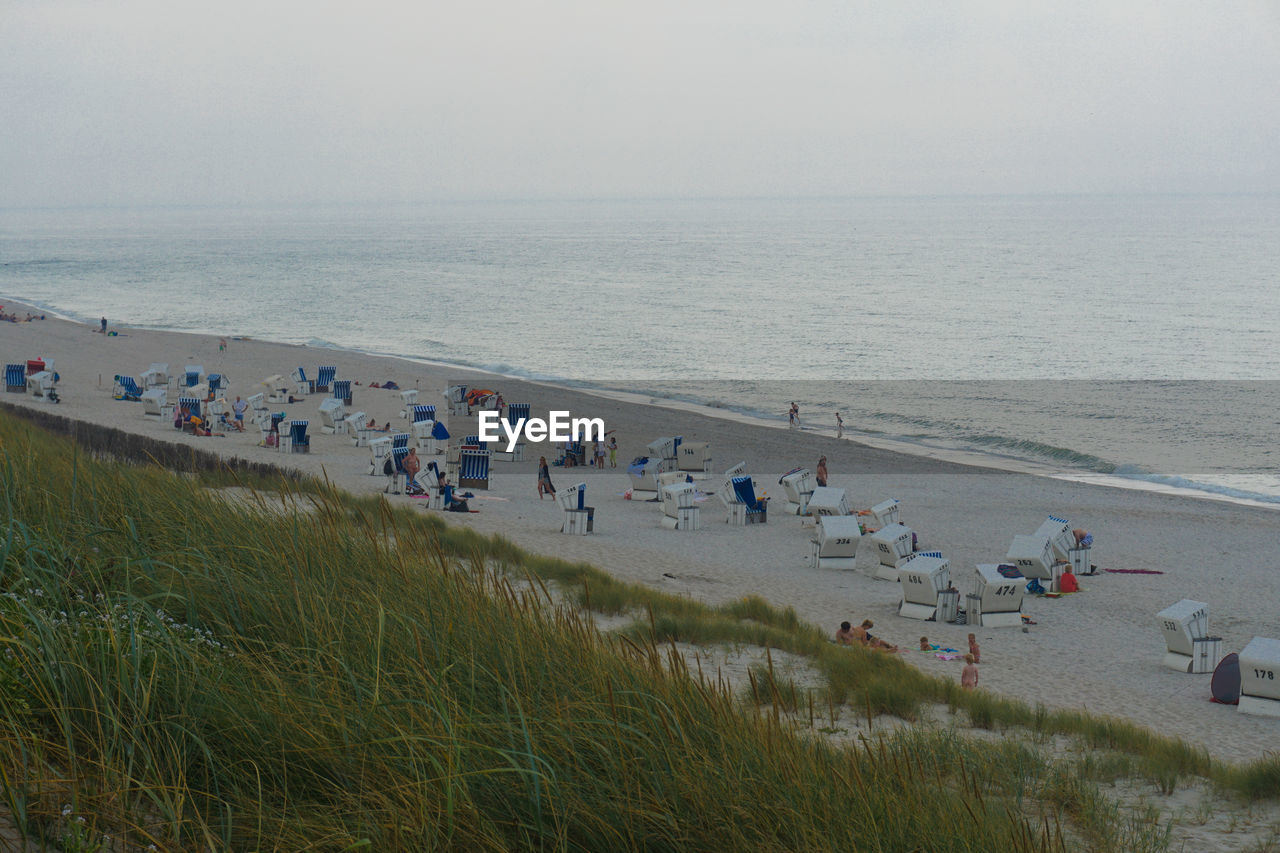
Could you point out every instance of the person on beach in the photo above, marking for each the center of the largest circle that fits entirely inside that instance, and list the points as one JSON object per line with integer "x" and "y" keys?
{"x": 613, "y": 451}
{"x": 1067, "y": 583}
{"x": 969, "y": 675}
{"x": 821, "y": 474}
{"x": 973, "y": 648}
{"x": 794, "y": 415}
{"x": 104, "y": 325}
{"x": 240, "y": 407}
{"x": 544, "y": 479}
{"x": 870, "y": 640}
{"x": 222, "y": 344}
{"x": 924, "y": 645}
{"x": 600, "y": 455}
{"x": 839, "y": 426}
{"x": 846, "y": 636}
{"x": 412, "y": 465}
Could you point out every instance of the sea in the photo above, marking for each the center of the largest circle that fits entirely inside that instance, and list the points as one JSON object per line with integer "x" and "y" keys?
{"x": 1126, "y": 339}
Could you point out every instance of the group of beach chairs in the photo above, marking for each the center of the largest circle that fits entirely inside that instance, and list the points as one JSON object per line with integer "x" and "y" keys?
{"x": 35, "y": 376}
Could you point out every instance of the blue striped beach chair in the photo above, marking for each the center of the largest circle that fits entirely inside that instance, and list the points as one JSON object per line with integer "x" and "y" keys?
{"x": 400, "y": 440}
{"x": 476, "y": 441}
{"x": 15, "y": 378}
{"x": 421, "y": 413}
{"x": 473, "y": 470}
{"x": 218, "y": 382}
{"x": 127, "y": 389}
{"x": 299, "y": 441}
{"x": 579, "y": 519}
{"x": 324, "y": 378}
{"x": 342, "y": 391}
{"x": 302, "y": 383}
{"x": 516, "y": 412}
{"x": 744, "y": 492}
{"x": 398, "y": 480}
{"x": 193, "y": 375}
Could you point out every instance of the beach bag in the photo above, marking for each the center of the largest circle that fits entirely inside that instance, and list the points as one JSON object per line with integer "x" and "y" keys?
{"x": 458, "y": 506}
{"x": 388, "y": 467}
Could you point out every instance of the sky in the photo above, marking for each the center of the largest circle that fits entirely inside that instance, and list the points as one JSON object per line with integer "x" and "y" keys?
{"x": 137, "y": 102}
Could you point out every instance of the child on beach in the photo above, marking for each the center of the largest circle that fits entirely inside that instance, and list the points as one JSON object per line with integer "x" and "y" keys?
{"x": 924, "y": 645}
{"x": 969, "y": 675}
{"x": 613, "y": 451}
{"x": 821, "y": 474}
{"x": 973, "y": 648}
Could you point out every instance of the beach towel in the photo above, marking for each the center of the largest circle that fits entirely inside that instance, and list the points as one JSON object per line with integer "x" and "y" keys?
{"x": 1134, "y": 571}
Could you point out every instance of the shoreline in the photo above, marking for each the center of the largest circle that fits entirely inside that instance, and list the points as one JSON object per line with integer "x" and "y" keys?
{"x": 1099, "y": 650}
{"x": 967, "y": 457}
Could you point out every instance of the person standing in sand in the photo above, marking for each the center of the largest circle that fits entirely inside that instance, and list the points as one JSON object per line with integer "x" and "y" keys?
{"x": 240, "y": 407}
{"x": 104, "y": 325}
{"x": 969, "y": 675}
{"x": 973, "y": 648}
{"x": 794, "y": 415}
{"x": 613, "y": 451}
{"x": 544, "y": 479}
{"x": 839, "y": 426}
{"x": 412, "y": 465}
{"x": 821, "y": 474}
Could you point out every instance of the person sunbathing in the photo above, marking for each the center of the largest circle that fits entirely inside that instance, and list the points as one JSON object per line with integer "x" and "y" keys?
{"x": 870, "y": 640}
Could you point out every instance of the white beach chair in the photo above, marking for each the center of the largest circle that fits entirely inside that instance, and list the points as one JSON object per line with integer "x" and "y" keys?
{"x": 41, "y": 386}
{"x": 798, "y": 487}
{"x": 678, "y": 509}
{"x": 154, "y": 400}
{"x": 694, "y": 457}
{"x": 379, "y": 450}
{"x": 301, "y": 383}
{"x": 276, "y": 388}
{"x": 1033, "y": 555}
{"x": 923, "y": 579}
{"x": 1058, "y": 532}
{"x": 579, "y": 519}
{"x": 257, "y": 411}
{"x": 836, "y": 544}
{"x": 358, "y": 431}
{"x": 1185, "y": 626}
{"x": 1260, "y": 678}
{"x": 666, "y": 448}
{"x": 408, "y": 397}
{"x": 828, "y": 500}
{"x": 332, "y": 414}
{"x": 456, "y": 395}
{"x": 892, "y": 549}
{"x": 644, "y": 478}
{"x": 996, "y": 600}
{"x": 156, "y": 376}
{"x": 885, "y": 513}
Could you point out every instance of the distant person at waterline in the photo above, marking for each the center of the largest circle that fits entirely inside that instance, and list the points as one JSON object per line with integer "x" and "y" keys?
{"x": 839, "y": 426}
{"x": 794, "y": 415}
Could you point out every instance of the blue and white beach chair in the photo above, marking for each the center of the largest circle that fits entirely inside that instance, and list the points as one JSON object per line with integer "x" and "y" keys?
{"x": 473, "y": 470}
{"x": 342, "y": 391}
{"x": 126, "y": 388}
{"x": 218, "y": 382}
{"x": 299, "y": 441}
{"x": 516, "y": 412}
{"x": 193, "y": 375}
{"x": 420, "y": 413}
{"x": 15, "y": 378}
{"x": 324, "y": 378}
{"x": 397, "y": 481}
{"x": 754, "y": 510}
{"x": 191, "y": 407}
{"x": 579, "y": 519}
{"x": 302, "y": 384}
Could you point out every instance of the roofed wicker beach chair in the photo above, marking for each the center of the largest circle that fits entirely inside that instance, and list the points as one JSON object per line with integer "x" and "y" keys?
{"x": 15, "y": 378}
{"x": 408, "y": 397}
{"x": 678, "y": 509}
{"x": 694, "y": 457}
{"x": 996, "y": 600}
{"x": 923, "y": 578}
{"x": 835, "y": 545}
{"x": 579, "y": 519}
{"x": 473, "y": 469}
{"x": 892, "y": 545}
{"x": 193, "y": 375}
{"x": 157, "y": 375}
{"x": 299, "y": 441}
{"x": 1185, "y": 626}
{"x": 324, "y": 378}
{"x": 155, "y": 401}
{"x": 828, "y": 500}
{"x": 126, "y": 388}
{"x": 302, "y": 383}
{"x": 218, "y": 384}
{"x": 332, "y": 414}
{"x": 1260, "y": 677}
{"x": 797, "y": 485}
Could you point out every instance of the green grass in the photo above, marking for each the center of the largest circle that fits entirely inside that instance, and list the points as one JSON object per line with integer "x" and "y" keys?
{"x": 193, "y": 673}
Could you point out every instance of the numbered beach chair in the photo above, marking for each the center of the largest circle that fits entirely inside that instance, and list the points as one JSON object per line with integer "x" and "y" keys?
{"x": 923, "y": 579}
{"x": 667, "y": 449}
{"x": 379, "y": 450}
{"x": 996, "y": 600}
{"x": 891, "y": 546}
{"x": 1185, "y": 626}
{"x": 1260, "y": 678}
{"x": 745, "y": 505}
{"x": 1033, "y": 555}
{"x": 193, "y": 375}
{"x": 1058, "y": 532}
{"x": 456, "y": 395}
{"x": 885, "y": 513}
{"x": 835, "y": 545}
{"x": 579, "y": 519}
{"x": 156, "y": 376}
{"x": 324, "y": 378}
{"x": 276, "y": 387}
{"x": 191, "y": 407}
{"x": 694, "y": 458}
{"x": 679, "y": 511}
{"x": 473, "y": 469}
{"x": 15, "y": 378}
{"x": 797, "y": 486}
{"x": 257, "y": 408}
{"x": 126, "y": 388}
{"x": 828, "y": 500}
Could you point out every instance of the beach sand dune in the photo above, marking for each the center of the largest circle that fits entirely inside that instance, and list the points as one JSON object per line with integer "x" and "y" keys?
{"x": 1098, "y": 650}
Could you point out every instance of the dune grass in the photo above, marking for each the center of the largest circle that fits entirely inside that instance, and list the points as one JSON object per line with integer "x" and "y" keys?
{"x": 180, "y": 671}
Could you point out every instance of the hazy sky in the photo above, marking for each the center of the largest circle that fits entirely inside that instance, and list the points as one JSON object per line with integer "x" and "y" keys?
{"x": 138, "y": 102}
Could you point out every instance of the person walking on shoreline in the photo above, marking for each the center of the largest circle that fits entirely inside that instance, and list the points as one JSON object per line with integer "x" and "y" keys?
{"x": 794, "y": 415}
{"x": 839, "y": 426}
{"x": 104, "y": 325}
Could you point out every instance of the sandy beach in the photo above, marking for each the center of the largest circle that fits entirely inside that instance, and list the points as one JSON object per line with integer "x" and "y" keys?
{"x": 1099, "y": 650}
